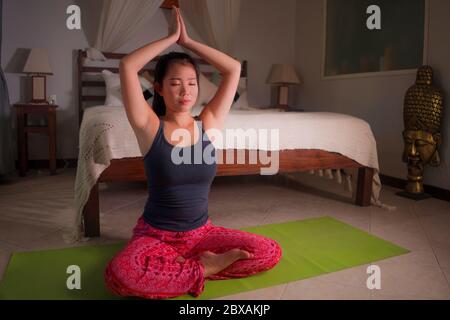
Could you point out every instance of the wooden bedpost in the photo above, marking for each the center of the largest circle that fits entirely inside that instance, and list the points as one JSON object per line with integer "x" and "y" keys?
{"x": 91, "y": 214}
{"x": 364, "y": 186}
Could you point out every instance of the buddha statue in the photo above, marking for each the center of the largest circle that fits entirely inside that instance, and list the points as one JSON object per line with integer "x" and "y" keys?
{"x": 422, "y": 115}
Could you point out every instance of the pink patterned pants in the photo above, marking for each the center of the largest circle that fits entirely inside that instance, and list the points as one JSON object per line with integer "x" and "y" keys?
{"x": 150, "y": 266}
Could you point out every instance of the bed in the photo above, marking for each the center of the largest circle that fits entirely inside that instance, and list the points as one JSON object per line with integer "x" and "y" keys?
{"x": 103, "y": 157}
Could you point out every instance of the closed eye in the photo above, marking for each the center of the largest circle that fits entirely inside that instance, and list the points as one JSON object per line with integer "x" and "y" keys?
{"x": 421, "y": 143}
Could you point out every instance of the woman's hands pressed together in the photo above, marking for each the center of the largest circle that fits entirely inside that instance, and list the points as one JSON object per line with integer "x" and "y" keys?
{"x": 175, "y": 26}
{"x": 178, "y": 29}
{"x": 184, "y": 38}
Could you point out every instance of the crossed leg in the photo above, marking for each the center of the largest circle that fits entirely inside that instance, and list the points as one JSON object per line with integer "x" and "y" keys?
{"x": 150, "y": 268}
{"x": 265, "y": 253}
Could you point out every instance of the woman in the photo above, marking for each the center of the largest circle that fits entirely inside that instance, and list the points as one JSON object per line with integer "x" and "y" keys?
{"x": 175, "y": 247}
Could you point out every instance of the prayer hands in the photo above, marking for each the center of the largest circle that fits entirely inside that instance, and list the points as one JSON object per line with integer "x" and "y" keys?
{"x": 175, "y": 25}
{"x": 183, "y": 37}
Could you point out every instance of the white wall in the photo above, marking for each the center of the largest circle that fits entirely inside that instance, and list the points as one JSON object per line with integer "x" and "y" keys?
{"x": 376, "y": 99}
{"x": 266, "y": 36}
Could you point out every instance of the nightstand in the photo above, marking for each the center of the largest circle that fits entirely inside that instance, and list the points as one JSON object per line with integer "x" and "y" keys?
{"x": 23, "y": 129}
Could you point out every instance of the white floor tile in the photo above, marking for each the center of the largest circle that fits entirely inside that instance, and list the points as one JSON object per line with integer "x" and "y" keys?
{"x": 316, "y": 289}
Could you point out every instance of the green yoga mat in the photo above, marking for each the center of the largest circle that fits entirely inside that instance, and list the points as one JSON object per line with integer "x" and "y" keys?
{"x": 310, "y": 248}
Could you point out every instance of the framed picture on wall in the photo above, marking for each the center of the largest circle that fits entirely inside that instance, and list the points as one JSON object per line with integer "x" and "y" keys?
{"x": 374, "y": 37}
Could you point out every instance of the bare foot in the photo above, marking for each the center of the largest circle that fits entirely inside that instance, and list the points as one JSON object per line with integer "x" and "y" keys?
{"x": 214, "y": 263}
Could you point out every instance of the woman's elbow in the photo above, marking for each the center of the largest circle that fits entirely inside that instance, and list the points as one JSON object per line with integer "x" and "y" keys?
{"x": 238, "y": 66}
{"x": 124, "y": 64}
{"x": 235, "y": 68}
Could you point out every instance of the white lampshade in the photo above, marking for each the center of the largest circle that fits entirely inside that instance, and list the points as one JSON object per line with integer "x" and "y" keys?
{"x": 37, "y": 62}
{"x": 283, "y": 74}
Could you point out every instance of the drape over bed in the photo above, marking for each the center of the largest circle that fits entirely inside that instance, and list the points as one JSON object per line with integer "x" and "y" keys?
{"x": 215, "y": 21}
{"x": 120, "y": 20}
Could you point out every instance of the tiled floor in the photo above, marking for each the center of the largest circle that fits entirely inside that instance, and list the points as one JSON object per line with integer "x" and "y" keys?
{"x": 35, "y": 210}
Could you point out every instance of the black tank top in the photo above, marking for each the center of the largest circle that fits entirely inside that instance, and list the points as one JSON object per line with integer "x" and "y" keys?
{"x": 178, "y": 190}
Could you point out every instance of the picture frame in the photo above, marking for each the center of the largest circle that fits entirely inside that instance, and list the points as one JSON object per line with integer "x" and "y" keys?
{"x": 351, "y": 50}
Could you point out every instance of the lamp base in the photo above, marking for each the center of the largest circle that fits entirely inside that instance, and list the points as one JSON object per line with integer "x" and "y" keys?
{"x": 283, "y": 95}
{"x": 39, "y": 89}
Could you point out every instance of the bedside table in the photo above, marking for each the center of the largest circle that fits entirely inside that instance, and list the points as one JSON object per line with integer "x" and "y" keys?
{"x": 23, "y": 129}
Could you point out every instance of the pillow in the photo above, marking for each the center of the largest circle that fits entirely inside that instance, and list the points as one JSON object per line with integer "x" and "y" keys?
{"x": 242, "y": 102}
{"x": 208, "y": 88}
{"x": 95, "y": 54}
{"x": 148, "y": 76}
{"x": 148, "y": 86}
{"x": 113, "y": 90}
{"x": 240, "y": 99}
{"x": 216, "y": 78}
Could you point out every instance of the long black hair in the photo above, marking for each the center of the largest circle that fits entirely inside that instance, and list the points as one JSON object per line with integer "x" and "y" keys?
{"x": 163, "y": 64}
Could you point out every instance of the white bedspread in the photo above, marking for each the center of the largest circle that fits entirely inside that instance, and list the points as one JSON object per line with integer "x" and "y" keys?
{"x": 106, "y": 134}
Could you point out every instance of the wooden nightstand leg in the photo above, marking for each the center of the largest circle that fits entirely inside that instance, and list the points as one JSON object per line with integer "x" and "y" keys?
{"x": 21, "y": 142}
{"x": 52, "y": 140}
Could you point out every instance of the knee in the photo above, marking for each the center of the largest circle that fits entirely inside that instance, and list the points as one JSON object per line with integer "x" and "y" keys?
{"x": 122, "y": 273}
{"x": 267, "y": 254}
{"x": 159, "y": 281}
{"x": 113, "y": 284}
{"x": 127, "y": 280}
{"x": 274, "y": 252}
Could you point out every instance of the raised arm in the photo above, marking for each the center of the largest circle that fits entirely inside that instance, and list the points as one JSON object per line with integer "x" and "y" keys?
{"x": 139, "y": 113}
{"x": 217, "y": 109}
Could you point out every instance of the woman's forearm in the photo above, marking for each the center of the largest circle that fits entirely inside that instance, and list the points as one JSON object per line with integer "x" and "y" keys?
{"x": 222, "y": 62}
{"x": 138, "y": 58}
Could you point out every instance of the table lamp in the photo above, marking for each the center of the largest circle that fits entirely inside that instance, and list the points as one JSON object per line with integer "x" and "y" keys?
{"x": 283, "y": 75}
{"x": 38, "y": 66}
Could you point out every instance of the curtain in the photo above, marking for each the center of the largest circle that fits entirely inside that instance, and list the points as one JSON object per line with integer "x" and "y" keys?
{"x": 7, "y": 167}
{"x": 215, "y": 21}
{"x": 120, "y": 19}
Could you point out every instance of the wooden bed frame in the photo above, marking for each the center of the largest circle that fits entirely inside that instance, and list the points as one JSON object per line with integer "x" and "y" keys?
{"x": 132, "y": 169}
